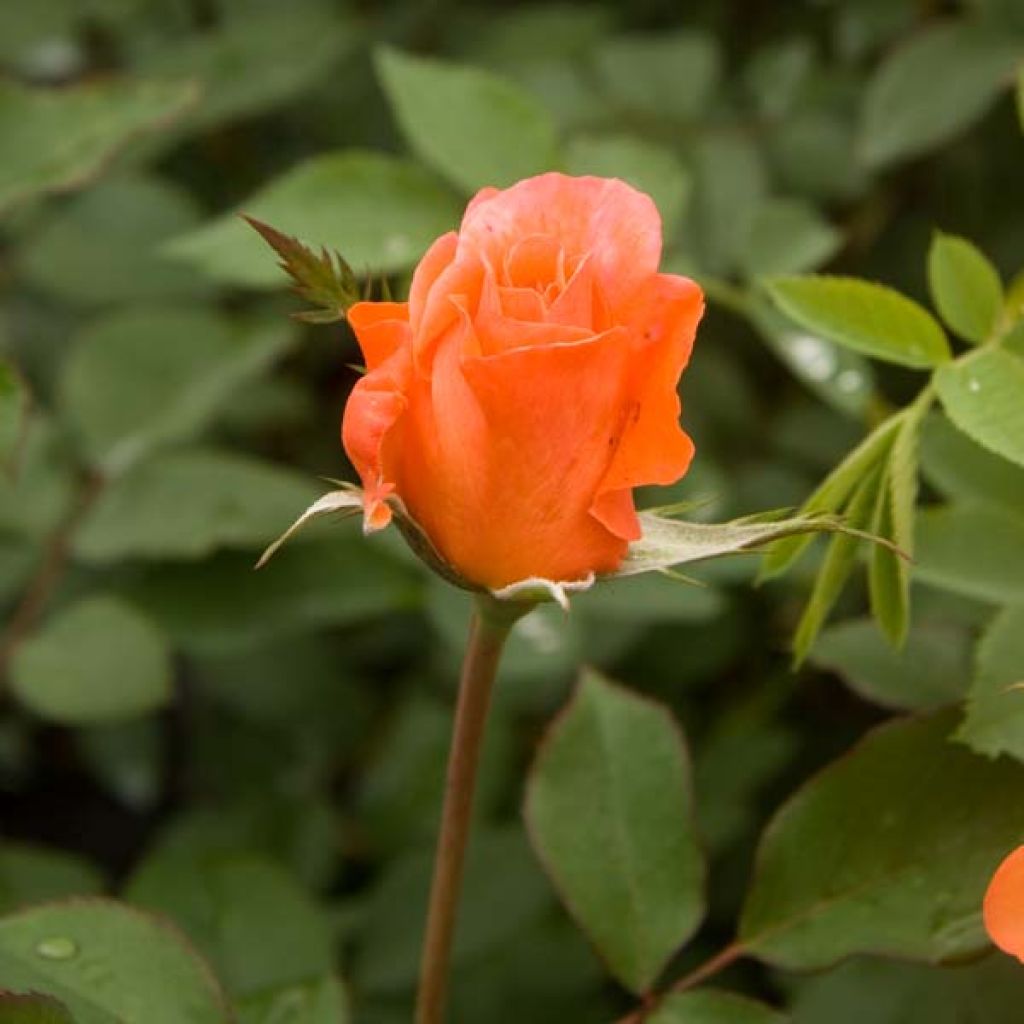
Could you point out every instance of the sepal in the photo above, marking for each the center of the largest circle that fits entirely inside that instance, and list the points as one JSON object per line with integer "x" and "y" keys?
{"x": 344, "y": 504}
{"x": 322, "y": 278}
{"x": 666, "y": 543}
{"x": 537, "y": 590}
{"x": 348, "y": 501}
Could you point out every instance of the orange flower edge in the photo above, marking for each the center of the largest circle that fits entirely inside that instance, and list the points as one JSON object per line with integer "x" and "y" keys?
{"x": 529, "y": 383}
{"x": 1004, "y": 905}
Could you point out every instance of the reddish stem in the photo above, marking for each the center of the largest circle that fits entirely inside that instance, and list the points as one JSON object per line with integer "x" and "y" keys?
{"x": 489, "y": 629}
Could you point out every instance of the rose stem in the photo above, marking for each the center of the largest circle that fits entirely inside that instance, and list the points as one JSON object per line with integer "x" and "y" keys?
{"x": 489, "y": 628}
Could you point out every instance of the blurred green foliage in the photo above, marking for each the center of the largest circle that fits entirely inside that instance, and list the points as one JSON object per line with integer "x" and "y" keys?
{"x": 259, "y": 757}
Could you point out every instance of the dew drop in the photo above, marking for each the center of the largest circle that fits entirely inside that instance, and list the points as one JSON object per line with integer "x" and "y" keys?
{"x": 849, "y": 381}
{"x": 814, "y": 356}
{"x": 974, "y": 385}
{"x": 60, "y": 947}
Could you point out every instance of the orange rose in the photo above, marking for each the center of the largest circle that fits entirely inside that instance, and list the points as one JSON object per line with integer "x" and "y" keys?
{"x": 529, "y": 383}
{"x": 1004, "y": 905}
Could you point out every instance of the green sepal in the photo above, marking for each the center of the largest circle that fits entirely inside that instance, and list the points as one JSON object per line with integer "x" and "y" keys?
{"x": 323, "y": 278}
{"x": 664, "y": 544}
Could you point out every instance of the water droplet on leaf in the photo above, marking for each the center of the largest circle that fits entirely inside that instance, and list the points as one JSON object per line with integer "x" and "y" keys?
{"x": 58, "y": 948}
{"x": 815, "y": 357}
{"x": 849, "y": 381}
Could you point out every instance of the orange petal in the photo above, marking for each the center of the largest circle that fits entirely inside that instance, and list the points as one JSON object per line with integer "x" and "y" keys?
{"x": 497, "y": 331}
{"x": 576, "y": 304}
{"x": 503, "y": 469}
{"x": 520, "y": 304}
{"x": 435, "y": 260}
{"x": 1004, "y": 905}
{"x": 374, "y": 409}
{"x": 534, "y": 262}
{"x": 652, "y": 447}
{"x": 615, "y": 224}
{"x": 483, "y": 196}
{"x": 440, "y": 278}
{"x": 380, "y": 328}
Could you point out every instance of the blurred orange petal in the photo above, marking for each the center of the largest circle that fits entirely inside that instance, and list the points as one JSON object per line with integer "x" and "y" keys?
{"x": 1004, "y": 905}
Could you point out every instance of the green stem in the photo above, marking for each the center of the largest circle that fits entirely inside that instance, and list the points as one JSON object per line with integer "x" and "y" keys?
{"x": 492, "y": 621}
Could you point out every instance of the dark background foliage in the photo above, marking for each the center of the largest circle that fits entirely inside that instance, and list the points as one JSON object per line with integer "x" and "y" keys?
{"x": 267, "y": 749}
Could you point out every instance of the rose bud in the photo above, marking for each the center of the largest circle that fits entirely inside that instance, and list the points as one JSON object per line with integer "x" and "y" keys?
{"x": 528, "y": 385}
{"x": 1004, "y": 905}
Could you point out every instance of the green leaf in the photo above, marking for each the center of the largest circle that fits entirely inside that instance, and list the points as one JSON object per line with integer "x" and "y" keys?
{"x": 813, "y": 154}
{"x": 787, "y": 236}
{"x": 37, "y": 497}
{"x": 220, "y": 605}
{"x": 889, "y": 572}
{"x": 32, "y": 1009}
{"x": 473, "y": 126}
{"x": 645, "y": 165}
{"x": 247, "y": 915}
{"x": 931, "y": 670}
{"x": 36, "y": 874}
{"x": 14, "y": 405}
{"x": 504, "y": 893}
{"x": 730, "y": 183}
{"x": 402, "y": 783}
{"x": 323, "y": 278}
{"x": 983, "y": 394}
{"x": 668, "y": 74}
{"x": 964, "y": 471}
{"x": 316, "y": 1002}
{"x": 144, "y": 378}
{"x": 298, "y": 832}
{"x": 220, "y": 499}
{"x": 545, "y": 974}
{"x": 59, "y": 139}
{"x": 889, "y": 992}
{"x": 994, "y": 723}
{"x": 743, "y": 751}
{"x": 609, "y": 807}
{"x": 776, "y": 74}
{"x": 840, "y": 559}
{"x": 972, "y": 550}
{"x": 108, "y": 963}
{"x": 300, "y": 684}
{"x": 1020, "y": 97}
{"x": 102, "y": 246}
{"x": 645, "y": 599}
{"x": 99, "y": 660}
{"x": 247, "y": 65}
{"x": 380, "y": 212}
{"x": 839, "y": 376}
{"x": 827, "y": 885}
{"x": 932, "y": 88}
{"x": 965, "y": 287}
{"x": 707, "y": 1006}
{"x": 127, "y": 759}
{"x": 867, "y": 317}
